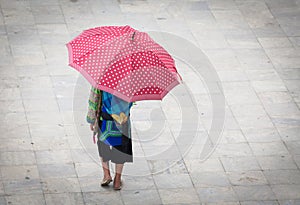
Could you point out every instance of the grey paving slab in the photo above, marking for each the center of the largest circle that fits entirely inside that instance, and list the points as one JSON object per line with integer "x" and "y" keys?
{"x": 35, "y": 82}
{"x": 81, "y": 156}
{"x": 282, "y": 176}
{"x": 275, "y": 42}
{"x": 47, "y": 14}
{"x": 297, "y": 160}
{"x": 179, "y": 195}
{"x": 46, "y": 130}
{"x": 247, "y": 178}
{"x": 32, "y": 105}
{"x": 259, "y": 202}
{"x": 269, "y": 148}
{"x": 292, "y": 85}
{"x": 295, "y": 41}
{"x": 276, "y": 162}
{"x": 25, "y": 71}
{"x": 266, "y": 74}
{"x": 23, "y": 186}
{"x": 230, "y": 19}
{"x": 87, "y": 169}
{"x": 20, "y": 144}
{"x": 12, "y": 106}
{"x": 289, "y": 191}
{"x": 161, "y": 166}
{"x": 223, "y": 59}
{"x": 141, "y": 197}
{"x": 23, "y": 39}
{"x": 268, "y": 85}
{"x": 198, "y": 20}
{"x": 286, "y": 202}
{"x": 287, "y": 17}
{"x": 239, "y": 163}
{"x": 60, "y": 185}
{"x": 262, "y": 135}
{"x": 9, "y": 82}
{"x": 205, "y": 42}
{"x": 2, "y": 190}
{"x": 18, "y": 158}
{"x": 279, "y": 57}
{"x": 225, "y": 203}
{"x": 39, "y": 118}
{"x": 276, "y": 109}
{"x": 19, "y": 172}
{"x": 5, "y": 43}
{"x": 232, "y": 136}
{"x": 249, "y": 58}
{"x": 18, "y": 118}
{"x": 56, "y": 170}
{"x": 221, "y": 5}
{"x": 237, "y": 41}
{"x": 255, "y": 192}
{"x": 210, "y": 179}
{"x": 224, "y": 150}
{"x": 247, "y": 110}
{"x": 239, "y": 93}
{"x": 275, "y": 97}
{"x": 217, "y": 194}
{"x": 2, "y": 200}
{"x": 102, "y": 198}
{"x": 286, "y": 121}
{"x": 8, "y": 71}
{"x": 289, "y": 74}
{"x": 260, "y": 19}
{"x": 64, "y": 198}
{"x": 251, "y": 122}
{"x": 171, "y": 181}
{"x": 54, "y": 53}
{"x": 34, "y": 199}
{"x": 15, "y": 131}
{"x": 36, "y": 93}
{"x": 232, "y": 75}
{"x": 28, "y": 55}
{"x": 90, "y": 184}
{"x": 18, "y": 15}
{"x": 58, "y": 70}
{"x": 54, "y": 143}
{"x": 209, "y": 165}
{"x": 53, "y": 156}
{"x": 293, "y": 147}
{"x": 139, "y": 183}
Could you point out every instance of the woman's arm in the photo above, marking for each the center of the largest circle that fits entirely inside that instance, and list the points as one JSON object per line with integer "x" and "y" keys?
{"x": 93, "y": 105}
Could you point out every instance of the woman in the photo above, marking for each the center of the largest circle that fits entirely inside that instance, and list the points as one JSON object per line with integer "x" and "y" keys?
{"x": 112, "y": 117}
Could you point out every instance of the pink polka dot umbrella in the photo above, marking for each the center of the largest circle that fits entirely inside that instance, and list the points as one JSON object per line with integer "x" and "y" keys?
{"x": 124, "y": 62}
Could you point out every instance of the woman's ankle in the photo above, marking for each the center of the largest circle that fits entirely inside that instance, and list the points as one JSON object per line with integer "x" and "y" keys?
{"x": 117, "y": 177}
{"x": 106, "y": 174}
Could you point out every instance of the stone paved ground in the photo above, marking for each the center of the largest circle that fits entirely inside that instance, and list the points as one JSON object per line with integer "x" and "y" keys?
{"x": 254, "y": 45}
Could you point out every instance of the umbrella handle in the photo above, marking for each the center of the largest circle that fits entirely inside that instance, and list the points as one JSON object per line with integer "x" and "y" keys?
{"x": 132, "y": 37}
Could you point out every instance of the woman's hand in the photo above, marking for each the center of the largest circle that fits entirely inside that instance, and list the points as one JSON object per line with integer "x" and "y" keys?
{"x": 92, "y": 127}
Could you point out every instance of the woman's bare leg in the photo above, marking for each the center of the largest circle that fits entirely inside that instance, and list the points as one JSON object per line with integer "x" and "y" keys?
{"x": 106, "y": 171}
{"x": 117, "y": 180}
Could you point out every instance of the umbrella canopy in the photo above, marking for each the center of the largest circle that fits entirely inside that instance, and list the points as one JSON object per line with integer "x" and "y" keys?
{"x": 124, "y": 62}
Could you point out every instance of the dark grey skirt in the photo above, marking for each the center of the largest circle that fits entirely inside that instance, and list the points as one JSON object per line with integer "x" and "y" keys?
{"x": 118, "y": 154}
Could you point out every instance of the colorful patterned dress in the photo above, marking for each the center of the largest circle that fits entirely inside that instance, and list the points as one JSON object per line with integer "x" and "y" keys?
{"x": 114, "y": 140}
